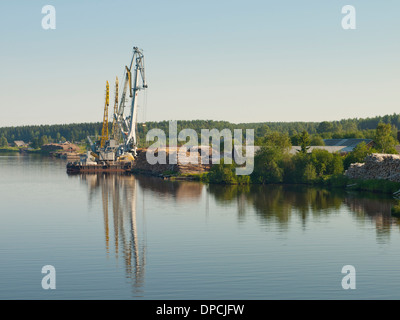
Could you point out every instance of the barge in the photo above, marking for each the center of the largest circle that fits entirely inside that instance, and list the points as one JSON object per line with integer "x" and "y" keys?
{"x": 122, "y": 167}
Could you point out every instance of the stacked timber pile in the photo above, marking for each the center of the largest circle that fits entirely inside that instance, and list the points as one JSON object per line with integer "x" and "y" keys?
{"x": 142, "y": 165}
{"x": 52, "y": 147}
{"x": 193, "y": 162}
{"x": 376, "y": 166}
{"x": 66, "y": 146}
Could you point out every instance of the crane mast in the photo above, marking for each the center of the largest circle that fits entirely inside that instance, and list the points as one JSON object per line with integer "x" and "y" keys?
{"x": 104, "y": 130}
{"x": 110, "y": 149}
{"x": 135, "y": 83}
{"x": 115, "y": 133}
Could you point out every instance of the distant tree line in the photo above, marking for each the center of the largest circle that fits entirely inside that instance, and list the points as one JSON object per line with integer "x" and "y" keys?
{"x": 317, "y": 131}
{"x": 42, "y": 134}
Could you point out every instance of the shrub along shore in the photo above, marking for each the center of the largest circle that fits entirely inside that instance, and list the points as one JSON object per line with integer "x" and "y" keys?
{"x": 273, "y": 164}
{"x": 223, "y": 174}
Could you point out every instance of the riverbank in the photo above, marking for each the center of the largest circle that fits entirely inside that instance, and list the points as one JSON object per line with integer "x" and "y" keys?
{"x": 22, "y": 150}
{"x": 224, "y": 174}
{"x": 333, "y": 182}
{"x": 9, "y": 149}
{"x": 67, "y": 151}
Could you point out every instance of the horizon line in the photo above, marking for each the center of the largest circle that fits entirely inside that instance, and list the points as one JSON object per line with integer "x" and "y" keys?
{"x": 236, "y": 123}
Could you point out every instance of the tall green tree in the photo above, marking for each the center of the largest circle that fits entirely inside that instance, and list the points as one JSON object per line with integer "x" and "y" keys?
{"x": 3, "y": 142}
{"x": 325, "y": 126}
{"x": 358, "y": 155}
{"x": 305, "y": 142}
{"x": 35, "y": 143}
{"x": 309, "y": 174}
{"x": 385, "y": 142}
{"x": 43, "y": 140}
{"x": 317, "y": 140}
{"x": 267, "y": 166}
{"x": 321, "y": 159}
{"x": 280, "y": 141}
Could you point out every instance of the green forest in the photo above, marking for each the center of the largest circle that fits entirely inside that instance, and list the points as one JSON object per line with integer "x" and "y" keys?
{"x": 78, "y": 132}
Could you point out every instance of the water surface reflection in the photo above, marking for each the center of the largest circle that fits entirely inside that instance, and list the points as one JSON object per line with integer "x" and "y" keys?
{"x": 121, "y": 232}
{"x": 272, "y": 205}
{"x": 278, "y": 203}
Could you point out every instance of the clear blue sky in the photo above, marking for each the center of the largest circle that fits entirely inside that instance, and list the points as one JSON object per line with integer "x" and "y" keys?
{"x": 240, "y": 61}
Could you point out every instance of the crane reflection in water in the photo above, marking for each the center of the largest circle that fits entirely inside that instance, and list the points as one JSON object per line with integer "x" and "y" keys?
{"x": 119, "y": 202}
{"x": 124, "y": 219}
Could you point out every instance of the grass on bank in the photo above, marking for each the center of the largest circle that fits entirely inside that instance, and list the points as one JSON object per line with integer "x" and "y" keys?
{"x": 381, "y": 186}
{"x": 9, "y": 149}
{"x": 225, "y": 174}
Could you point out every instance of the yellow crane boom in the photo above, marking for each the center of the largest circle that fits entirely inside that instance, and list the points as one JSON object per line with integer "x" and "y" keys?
{"x": 115, "y": 130}
{"x": 104, "y": 130}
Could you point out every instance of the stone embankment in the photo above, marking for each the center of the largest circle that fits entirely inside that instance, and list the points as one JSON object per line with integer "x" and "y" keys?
{"x": 376, "y": 166}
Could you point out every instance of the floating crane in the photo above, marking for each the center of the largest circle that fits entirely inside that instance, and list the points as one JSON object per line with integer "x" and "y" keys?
{"x": 122, "y": 144}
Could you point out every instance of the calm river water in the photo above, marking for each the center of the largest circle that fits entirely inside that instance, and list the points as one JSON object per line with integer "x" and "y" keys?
{"x": 136, "y": 237}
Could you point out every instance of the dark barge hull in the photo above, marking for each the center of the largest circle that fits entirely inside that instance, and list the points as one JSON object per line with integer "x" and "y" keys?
{"x": 98, "y": 168}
